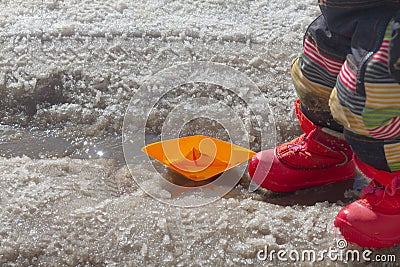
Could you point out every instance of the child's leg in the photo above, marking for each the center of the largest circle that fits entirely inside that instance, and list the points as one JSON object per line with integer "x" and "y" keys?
{"x": 370, "y": 113}
{"x": 335, "y": 47}
{"x": 319, "y": 156}
{"x": 315, "y": 72}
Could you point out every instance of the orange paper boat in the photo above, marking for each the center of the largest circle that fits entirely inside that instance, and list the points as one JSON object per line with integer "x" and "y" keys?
{"x": 198, "y": 157}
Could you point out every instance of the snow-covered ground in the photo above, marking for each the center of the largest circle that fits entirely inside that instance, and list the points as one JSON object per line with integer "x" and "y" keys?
{"x": 68, "y": 70}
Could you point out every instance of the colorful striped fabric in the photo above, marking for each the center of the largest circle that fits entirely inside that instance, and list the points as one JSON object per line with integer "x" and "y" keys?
{"x": 348, "y": 77}
{"x": 328, "y": 64}
{"x": 359, "y": 91}
{"x": 382, "y": 105}
{"x": 372, "y": 109}
{"x": 305, "y": 86}
{"x": 314, "y": 75}
{"x": 392, "y": 153}
{"x": 346, "y": 116}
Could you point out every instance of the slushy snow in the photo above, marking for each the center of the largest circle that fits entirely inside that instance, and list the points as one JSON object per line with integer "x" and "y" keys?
{"x": 68, "y": 70}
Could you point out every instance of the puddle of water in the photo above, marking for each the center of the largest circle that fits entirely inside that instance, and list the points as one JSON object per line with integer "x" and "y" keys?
{"x": 17, "y": 142}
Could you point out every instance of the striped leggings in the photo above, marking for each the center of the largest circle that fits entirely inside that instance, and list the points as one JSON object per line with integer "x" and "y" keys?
{"x": 346, "y": 77}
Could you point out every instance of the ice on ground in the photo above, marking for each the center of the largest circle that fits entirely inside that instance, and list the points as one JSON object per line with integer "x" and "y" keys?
{"x": 90, "y": 212}
{"x": 68, "y": 70}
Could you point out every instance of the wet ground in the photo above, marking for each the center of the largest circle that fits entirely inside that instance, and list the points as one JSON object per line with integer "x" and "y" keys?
{"x": 67, "y": 73}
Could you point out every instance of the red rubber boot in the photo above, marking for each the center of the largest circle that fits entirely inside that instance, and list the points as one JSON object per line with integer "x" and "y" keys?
{"x": 373, "y": 220}
{"x": 315, "y": 158}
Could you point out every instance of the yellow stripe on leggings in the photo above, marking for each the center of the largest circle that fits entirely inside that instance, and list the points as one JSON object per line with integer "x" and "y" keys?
{"x": 392, "y": 153}
{"x": 347, "y": 118}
